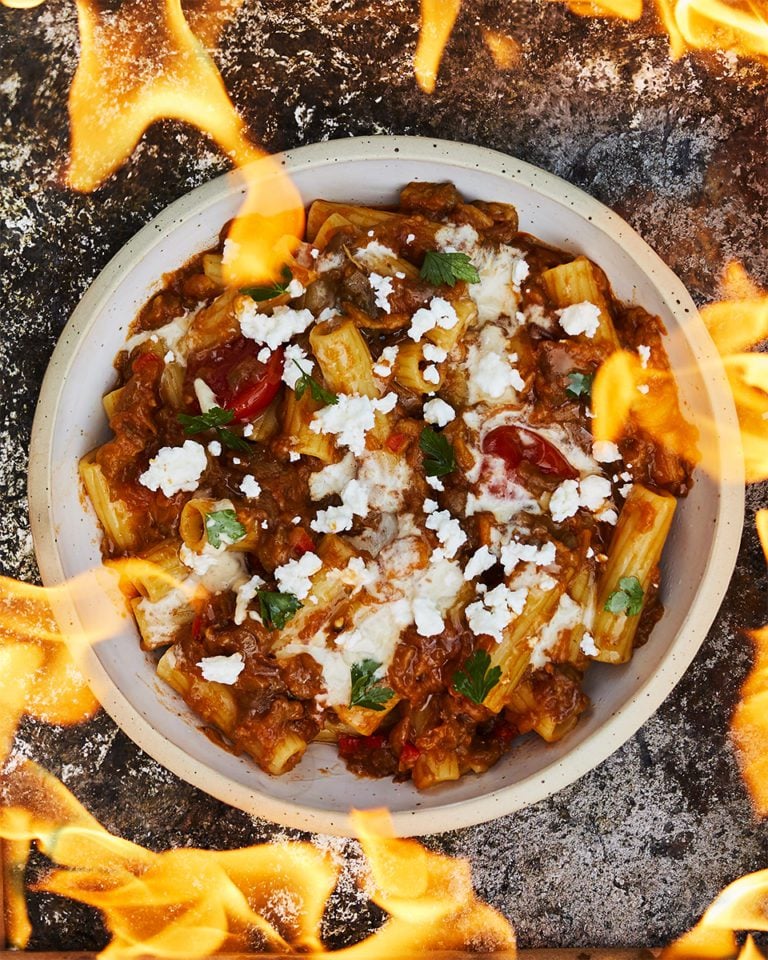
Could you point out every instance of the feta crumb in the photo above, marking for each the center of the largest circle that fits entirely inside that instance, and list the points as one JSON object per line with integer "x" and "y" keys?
{"x": 222, "y": 669}
{"x": 605, "y": 451}
{"x": 205, "y": 396}
{"x": 250, "y": 486}
{"x": 520, "y": 272}
{"x": 383, "y": 366}
{"x": 625, "y": 490}
{"x": 248, "y": 430}
{"x": 427, "y": 617}
{"x": 431, "y": 374}
{"x": 435, "y": 482}
{"x": 434, "y": 354}
{"x": 453, "y": 238}
{"x": 594, "y": 491}
{"x": 297, "y": 363}
{"x": 410, "y": 238}
{"x": 500, "y": 270}
{"x": 237, "y": 461}
{"x": 564, "y": 501}
{"x": 245, "y": 593}
{"x": 643, "y": 388}
{"x": 567, "y": 616}
{"x": 295, "y": 288}
{"x": 357, "y": 575}
{"x": 351, "y": 418}
{"x": 214, "y": 448}
{"x": 587, "y": 645}
{"x": 448, "y": 531}
{"x": 263, "y": 355}
{"x": 294, "y": 576}
{"x": 174, "y": 469}
{"x": 332, "y": 479}
{"x": 439, "y": 313}
{"x": 293, "y": 456}
{"x": 514, "y": 552}
{"x": 489, "y": 367}
{"x": 490, "y": 615}
{"x": 580, "y": 318}
{"x": 480, "y": 561}
{"x": 169, "y": 357}
{"x": 430, "y": 506}
{"x": 608, "y": 515}
{"x": 439, "y": 412}
{"x": 645, "y": 355}
{"x": 382, "y": 287}
{"x": 284, "y": 323}
{"x": 335, "y": 519}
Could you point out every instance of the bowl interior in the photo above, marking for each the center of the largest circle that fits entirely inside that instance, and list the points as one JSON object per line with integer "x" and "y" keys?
{"x": 320, "y": 791}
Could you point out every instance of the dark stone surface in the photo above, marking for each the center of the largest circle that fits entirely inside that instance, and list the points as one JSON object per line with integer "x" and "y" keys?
{"x": 634, "y": 851}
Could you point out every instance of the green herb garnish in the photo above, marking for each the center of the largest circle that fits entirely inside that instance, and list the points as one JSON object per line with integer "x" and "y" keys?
{"x": 440, "y": 458}
{"x": 222, "y": 526}
{"x": 447, "y": 268}
{"x": 271, "y": 290}
{"x": 277, "y": 608}
{"x": 320, "y": 394}
{"x": 214, "y": 419}
{"x": 476, "y": 680}
{"x": 580, "y": 384}
{"x": 367, "y": 691}
{"x": 628, "y": 599}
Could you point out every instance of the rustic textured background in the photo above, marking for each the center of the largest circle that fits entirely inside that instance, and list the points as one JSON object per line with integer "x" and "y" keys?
{"x": 633, "y": 852}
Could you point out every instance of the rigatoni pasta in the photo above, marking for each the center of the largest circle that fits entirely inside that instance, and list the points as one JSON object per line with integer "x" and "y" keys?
{"x": 360, "y": 505}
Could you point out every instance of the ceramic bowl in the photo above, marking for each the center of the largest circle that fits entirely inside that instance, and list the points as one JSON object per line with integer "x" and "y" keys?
{"x": 318, "y": 794}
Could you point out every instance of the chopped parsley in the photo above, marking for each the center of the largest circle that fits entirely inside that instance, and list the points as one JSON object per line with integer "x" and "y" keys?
{"x": 320, "y": 394}
{"x": 367, "y": 691}
{"x": 476, "y": 680}
{"x": 222, "y": 526}
{"x": 579, "y": 384}
{"x": 628, "y": 599}
{"x": 439, "y": 456}
{"x": 276, "y": 609}
{"x": 271, "y": 290}
{"x": 214, "y": 419}
{"x": 447, "y": 268}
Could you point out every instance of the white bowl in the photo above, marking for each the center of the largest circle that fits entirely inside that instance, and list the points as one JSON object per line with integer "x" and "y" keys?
{"x": 318, "y": 794}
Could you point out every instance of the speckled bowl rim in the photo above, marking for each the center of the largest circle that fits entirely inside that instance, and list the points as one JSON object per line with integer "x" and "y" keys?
{"x": 618, "y": 727}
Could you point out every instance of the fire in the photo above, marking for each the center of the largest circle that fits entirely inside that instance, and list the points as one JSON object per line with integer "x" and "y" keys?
{"x": 270, "y": 897}
{"x": 437, "y": 21}
{"x": 144, "y": 64}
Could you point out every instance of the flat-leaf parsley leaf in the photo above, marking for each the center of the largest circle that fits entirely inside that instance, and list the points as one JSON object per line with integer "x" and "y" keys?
{"x": 579, "y": 384}
{"x": 271, "y": 290}
{"x": 214, "y": 419}
{"x": 277, "y": 608}
{"x": 628, "y": 599}
{"x": 222, "y": 526}
{"x": 319, "y": 393}
{"x": 440, "y": 458}
{"x": 476, "y": 680}
{"x": 367, "y": 691}
{"x": 447, "y": 268}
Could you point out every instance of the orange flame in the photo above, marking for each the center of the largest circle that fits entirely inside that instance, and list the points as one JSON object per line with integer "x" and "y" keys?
{"x": 437, "y": 20}
{"x": 504, "y": 49}
{"x": 144, "y": 64}
{"x": 272, "y": 896}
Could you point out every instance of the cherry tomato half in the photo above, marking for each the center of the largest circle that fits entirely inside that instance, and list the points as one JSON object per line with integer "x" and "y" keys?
{"x": 515, "y": 444}
{"x": 241, "y": 382}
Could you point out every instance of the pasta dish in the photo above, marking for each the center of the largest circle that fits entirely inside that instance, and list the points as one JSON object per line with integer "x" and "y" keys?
{"x": 366, "y": 497}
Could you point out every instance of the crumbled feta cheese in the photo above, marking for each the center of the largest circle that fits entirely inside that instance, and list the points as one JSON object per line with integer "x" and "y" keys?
{"x": 496, "y": 294}
{"x": 169, "y": 357}
{"x": 351, "y": 418}
{"x": 605, "y": 451}
{"x": 410, "y": 238}
{"x": 172, "y": 335}
{"x": 643, "y": 388}
{"x": 490, "y": 615}
{"x": 383, "y": 366}
{"x": 294, "y": 576}
{"x": 625, "y": 490}
{"x": 448, "y": 531}
{"x": 237, "y": 461}
{"x": 357, "y": 575}
{"x": 439, "y": 313}
{"x": 382, "y": 287}
{"x": 580, "y": 318}
{"x": 608, "y": 515}
{"x": 222, "y": 669}
{"x": 293, "y": 456}
{"x": 489, "y": 367}
{"x": 332, "y": 479}
{"x": 263, "y": 355}
{"x": 297, "y": 363}
{"x": 430, "y": 506}
{"x": 373, "y": 253}
{"x": 248, "y": 430}
{"x": 434, "y": 354}
{"x": 514, "y": 552}
{"x": 174, "y": 469}
{"x": 594, "y": 491}
{"x": 205, "y": 396}
{"x": 250, "y": 486}
{"x": 284, "y": 323}
{"x": 431, "y": 374}
{"x": 245, "y": 593}
{"x": 354, "y": 502}
{"x": 566, "y": 617}
{"x": 295, "y": 288}
{"x": 435, "y": 482}
{"x": 588, "y": 646}
{"x": 214, "y": 448}
{"x": 454, "y": 238}
{"x": 645, "y": 355}
{"x": 480, "y": 561}
{"x": 439, "y": 412}
{"x": 564, "y": 501}
{"x": 427, "y": 617}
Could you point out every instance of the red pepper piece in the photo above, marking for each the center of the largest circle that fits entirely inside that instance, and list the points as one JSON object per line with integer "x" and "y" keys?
{"x": 300, "y": 541}
{"x": 409, "y": 755}
{"x": 396, "y": 442}
{"x": 515, "y": 444}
